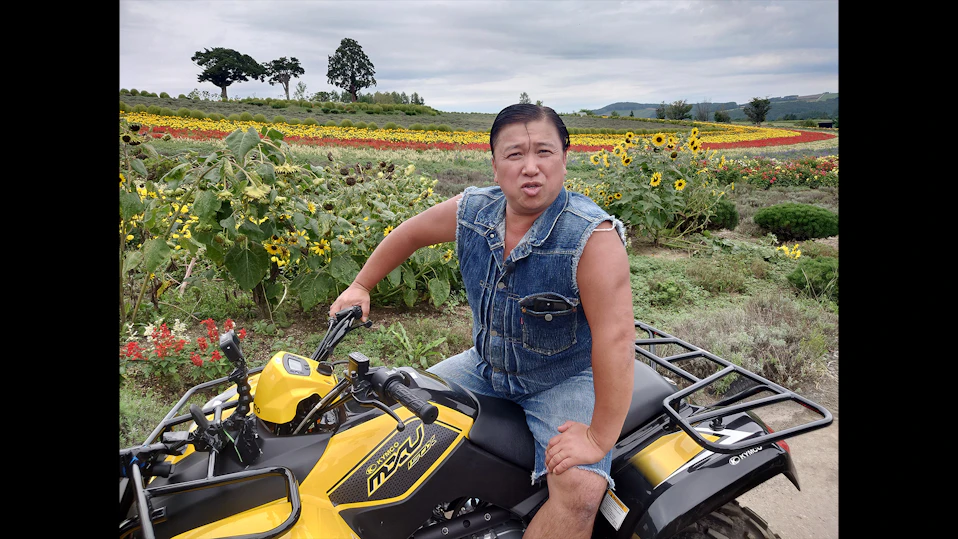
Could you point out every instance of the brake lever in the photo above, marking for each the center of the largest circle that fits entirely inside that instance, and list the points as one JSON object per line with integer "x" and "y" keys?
{"x": 372, "y": 401}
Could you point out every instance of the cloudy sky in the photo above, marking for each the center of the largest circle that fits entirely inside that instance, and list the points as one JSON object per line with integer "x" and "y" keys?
{"x": 479, "y": 56}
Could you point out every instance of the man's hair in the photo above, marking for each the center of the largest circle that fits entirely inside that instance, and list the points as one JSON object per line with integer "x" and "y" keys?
{"x": 525, "y": 113}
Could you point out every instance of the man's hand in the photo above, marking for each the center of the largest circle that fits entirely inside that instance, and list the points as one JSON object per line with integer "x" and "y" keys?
{"x": 573, "y": 445}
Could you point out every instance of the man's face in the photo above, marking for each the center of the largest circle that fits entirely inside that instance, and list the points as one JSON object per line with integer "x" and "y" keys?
{"x": 529, "y": 165}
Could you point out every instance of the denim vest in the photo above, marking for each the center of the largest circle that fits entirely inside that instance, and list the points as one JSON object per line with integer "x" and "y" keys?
{"x": 528, "y": 324}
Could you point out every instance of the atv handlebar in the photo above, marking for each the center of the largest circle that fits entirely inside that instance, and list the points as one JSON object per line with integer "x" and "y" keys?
{"x": 423, "y": 409}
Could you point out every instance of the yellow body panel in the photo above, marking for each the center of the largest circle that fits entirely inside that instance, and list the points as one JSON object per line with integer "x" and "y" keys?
{"x": 667, "y": 454}
{"x": 340, "y": 460}
{"x": 280, "y": 391}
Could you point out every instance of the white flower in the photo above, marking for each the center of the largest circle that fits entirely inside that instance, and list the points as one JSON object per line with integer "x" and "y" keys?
{"x": 179, "y": 328}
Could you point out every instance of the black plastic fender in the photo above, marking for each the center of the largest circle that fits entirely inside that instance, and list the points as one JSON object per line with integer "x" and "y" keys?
{"x": 660, "y": 511}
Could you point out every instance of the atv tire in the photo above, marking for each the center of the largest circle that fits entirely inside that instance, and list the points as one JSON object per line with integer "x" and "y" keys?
{"x": 731, "y": 521}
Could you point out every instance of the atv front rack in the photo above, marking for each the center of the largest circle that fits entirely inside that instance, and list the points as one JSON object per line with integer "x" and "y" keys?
{"x": 144, "y": 521}
{"x": 727, "y": 406}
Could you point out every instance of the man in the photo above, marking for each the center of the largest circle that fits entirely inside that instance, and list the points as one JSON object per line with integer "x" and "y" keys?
{"x": 547, "y": 277}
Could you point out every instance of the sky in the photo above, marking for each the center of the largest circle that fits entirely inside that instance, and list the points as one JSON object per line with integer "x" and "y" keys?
{"x": 480, "y": 56}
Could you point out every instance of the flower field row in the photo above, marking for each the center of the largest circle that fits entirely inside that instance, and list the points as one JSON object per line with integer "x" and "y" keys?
{"x": 726, "y": 136}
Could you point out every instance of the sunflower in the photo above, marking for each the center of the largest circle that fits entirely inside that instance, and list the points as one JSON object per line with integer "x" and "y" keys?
{"x": 695, "y": 132}
{"x": 656, "y": 179}
{"x": 618, "y": 196}
{"x": 272, "y": 249}
{"x": 626, "y": 160}
{"x": 658, "y": 139}
{"x": 387, "y": 230}
{"x": 594, "y": 159}
{"x": 679, "y": 184}
{"x": 617, "y": 151}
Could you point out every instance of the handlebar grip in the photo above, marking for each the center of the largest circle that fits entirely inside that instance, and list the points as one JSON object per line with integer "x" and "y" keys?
{"x": 423, "y": 409}
{"x": 201, "y": 422}
{"x": 355, "y": 310}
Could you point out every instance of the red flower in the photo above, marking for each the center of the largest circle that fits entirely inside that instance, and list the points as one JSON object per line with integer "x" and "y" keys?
{"x": 242, "y": 333}
{"x": 228, "y": 325}
{"x": 196, "y": 359}
{"x": 215, "y": 356}
{"x": 202, "y": 343}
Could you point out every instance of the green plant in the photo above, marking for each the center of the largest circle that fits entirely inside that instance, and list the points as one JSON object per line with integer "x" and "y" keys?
{"x": 405, "y": 351}
{"x": 279, "y": 119}
{"x": 794, "y": 221}
{"x": 664, "y": 187}
{"x": 246, "y": 116}
{"x": 817, "y": 276}
{"x": 726, "y": 216}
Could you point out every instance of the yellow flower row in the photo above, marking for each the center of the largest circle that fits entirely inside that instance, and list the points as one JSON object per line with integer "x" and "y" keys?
{"x": 725, "y": 133}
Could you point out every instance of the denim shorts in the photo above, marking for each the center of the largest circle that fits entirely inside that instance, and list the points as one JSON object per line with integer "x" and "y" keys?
{"x": 569, "y": 399}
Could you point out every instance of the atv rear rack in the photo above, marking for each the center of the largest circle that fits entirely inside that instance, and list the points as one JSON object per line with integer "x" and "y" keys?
{"x": 726, "y": 406}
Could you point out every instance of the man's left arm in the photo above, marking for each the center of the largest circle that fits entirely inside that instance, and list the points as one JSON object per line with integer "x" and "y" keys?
{"x": 606, "y": 297}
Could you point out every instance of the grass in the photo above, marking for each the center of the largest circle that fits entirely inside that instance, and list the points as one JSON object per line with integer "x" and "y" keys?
{"x": 735, "y": 302}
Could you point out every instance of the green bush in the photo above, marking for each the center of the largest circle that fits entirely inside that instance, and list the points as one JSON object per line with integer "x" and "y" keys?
{"x": 372, "y": 125}
{"x": 391, "y": 125}
{"x": 794, "y": 221}
{"x": 164, "y": 94}
{"x": 141, "y": 108}
{"x": 183, "y": 112}
{"x": 279, "y": 104}
{"x": 726, "y": 216}
{"x": 817, "y": 276}
{"x": 124, "y": 107}
{"x": 279, "y": 119}
{"x": 124, "y": 91}
{"x": 360, "y": 125}
{"x": 293, "y": 121}
{"x": 197, "y": 114}
{"x": 259, "y": 117}
{"x": 246, "y": 117}
{"x": 153, "y": 109}
{"x": 330, "y": 123}
{"x": 310, "y": 121}
{"x": 346, "y": 123}
{"x": 215, "y": 116}
{"x": 234, "y": 117}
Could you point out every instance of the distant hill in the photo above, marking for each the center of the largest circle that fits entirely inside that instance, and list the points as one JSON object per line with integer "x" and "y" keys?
{"x": 824, "y": 105}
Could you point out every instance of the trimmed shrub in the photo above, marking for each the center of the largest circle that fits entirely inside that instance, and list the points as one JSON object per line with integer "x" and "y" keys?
{"x": 795, "y": 221}
{"x": 391, "y": 125}
{"x": 233, "y": 117}
{"x": 359, "y": 125}
{"x": 310, "y": 121}
{"x": 246, "y": 117}
{"x": 817, "y": 276}
{"x": 124, "y": 91}
{"x": 183, "y": 112}
{"x": 293, "y": 121}
{"x": 330, "y": 123}
{"x": 279, "y": 119}
{"x": 165, "y": 95}
{"x": 726, "y": 216}
{"x": 372, "y": 125}
{"x": 346, "y": 123}
{"x": 197, "y": 114}
{"x": 259, "y": 117}
{"x": 278, "y": 104}
{"x": 124, "y": 107}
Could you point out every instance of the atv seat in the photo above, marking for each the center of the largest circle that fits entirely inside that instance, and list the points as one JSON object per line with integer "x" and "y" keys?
{"x": 501, "y": 429}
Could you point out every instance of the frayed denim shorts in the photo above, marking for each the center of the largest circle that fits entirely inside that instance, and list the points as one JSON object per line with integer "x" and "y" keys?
{"x": 569, "y": 399}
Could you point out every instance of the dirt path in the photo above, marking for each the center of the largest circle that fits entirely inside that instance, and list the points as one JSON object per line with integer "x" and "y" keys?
{"x": 811, "y": 513}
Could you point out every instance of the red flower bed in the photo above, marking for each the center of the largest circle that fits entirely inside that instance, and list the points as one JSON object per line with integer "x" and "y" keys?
{"x": 806, "y": 136}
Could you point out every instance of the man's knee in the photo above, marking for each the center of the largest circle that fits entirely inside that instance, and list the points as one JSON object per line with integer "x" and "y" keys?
{"x": 578, "y": 490}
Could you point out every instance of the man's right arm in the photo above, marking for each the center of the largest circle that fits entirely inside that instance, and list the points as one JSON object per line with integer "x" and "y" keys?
{"x": 433, "y": 225}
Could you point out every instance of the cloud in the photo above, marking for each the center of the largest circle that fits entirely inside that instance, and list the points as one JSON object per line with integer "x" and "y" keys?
{"x": 473, "y": 56}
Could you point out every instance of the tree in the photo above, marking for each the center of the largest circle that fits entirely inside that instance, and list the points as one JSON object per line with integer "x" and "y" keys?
{"x": 350, "y": 68}
{"x": 300, "y": 93}
{"x": 223, "y": 67}
{"x": 757, "y": 109}
{"x": 524, "y": 98}
{"x": 722, "y": 117}
{"x": 703, "y": 110}
{"x": 282, "y": 71}
{"x": 678, "y": 110}
{"x": 660, "y": 111}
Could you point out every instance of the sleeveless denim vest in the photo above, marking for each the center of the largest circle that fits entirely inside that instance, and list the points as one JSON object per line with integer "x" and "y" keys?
{"x": 528, "y": 323}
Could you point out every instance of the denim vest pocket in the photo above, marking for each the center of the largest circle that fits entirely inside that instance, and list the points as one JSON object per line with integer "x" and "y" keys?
{"x": 549, "y": 322}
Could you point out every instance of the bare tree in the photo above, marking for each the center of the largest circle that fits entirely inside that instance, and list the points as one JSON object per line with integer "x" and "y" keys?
{"x": 703, "y": 110}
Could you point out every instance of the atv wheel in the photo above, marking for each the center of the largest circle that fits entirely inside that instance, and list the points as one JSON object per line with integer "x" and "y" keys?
{"x": 731, "y": 521}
